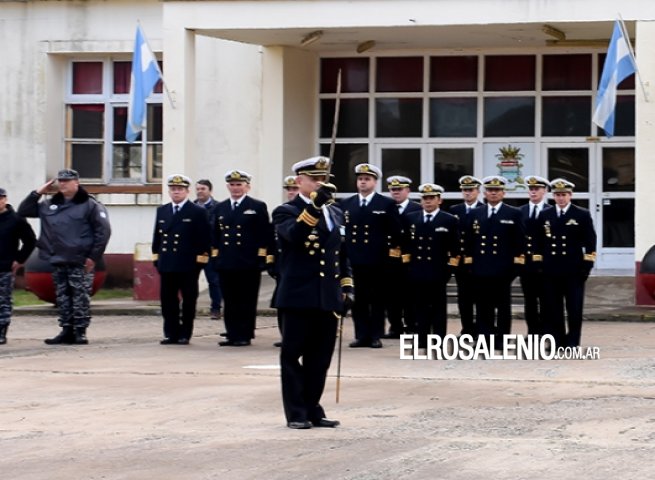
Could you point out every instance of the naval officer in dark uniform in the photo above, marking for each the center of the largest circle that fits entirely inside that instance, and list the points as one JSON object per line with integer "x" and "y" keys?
{"x": 314, "y": 287}
{"x": 373, "y": 236}
{"x": 399, "y": 309}
{"x": 241, "y": 236}
{"x": 532, "y": 278}
{"x": 431, "y": 249}
{"x": 567, "y": 247}
{"x": 494, "y": 249}
{"x": 180, "y": 249}
{"x": 470, "y": 188}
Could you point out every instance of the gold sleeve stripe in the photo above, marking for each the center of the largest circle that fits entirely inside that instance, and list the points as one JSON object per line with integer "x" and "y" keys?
{"x": 590, "y": 257}
{"x": 394, "y": 252}
{"x": 202, "y": 259}
{"x": 519, "y": 260}
{"x": 468, "y": 260}
{"x": 307, "y": 218}
{"x": 407, "y": 257}
{"x": 347, "y": 282}
{"x": 261, "y": 252}
{"x": 270, "y": 258}
{"x": 155, "y": 257}
{"x": 537, "y": 258}
{"x": 453, "y": 262}
{"x": 214, "y": 252}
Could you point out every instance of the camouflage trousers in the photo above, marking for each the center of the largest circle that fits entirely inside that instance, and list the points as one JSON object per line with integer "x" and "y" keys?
{"x": 6, "y": 290}
{"x": 73, "y": 289}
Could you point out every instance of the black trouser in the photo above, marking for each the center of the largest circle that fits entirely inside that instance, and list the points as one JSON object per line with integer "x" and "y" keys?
{"x": 532, "y": 284}
{"x": 309, "y": 334}
{"x": 240, "y": 290}
{"x": 368, "y": 310}
{"x": 430, "y": 309}
{"x": 561, "y": 291}
{"x": 466, "y": 301}
{"x": 174, "y": 285}
{"x": 493, "y": 304}
{"x": 399, "y": 308}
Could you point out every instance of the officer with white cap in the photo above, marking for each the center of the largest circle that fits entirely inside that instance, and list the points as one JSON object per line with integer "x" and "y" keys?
{"x": 494, "y": 250}
{"x": 180, "y": 249}
{"x": 566, "y": 245}
{"x": 373, "y": 236}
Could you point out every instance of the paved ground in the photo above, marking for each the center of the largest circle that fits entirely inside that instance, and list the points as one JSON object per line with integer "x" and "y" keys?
{"x": 125, "y": 407}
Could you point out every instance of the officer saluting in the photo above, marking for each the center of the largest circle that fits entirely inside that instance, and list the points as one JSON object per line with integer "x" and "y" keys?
{"x": 532, "y": 274}
{"x": 314, "y": 282}
{"x": 399, "y": 308}
{"x": 431, "y": 243}
{"x": 494, "y": 247}
{"x": 372, "y": 225}
{"x": 470, "y": 187}
{"x": 242, "y": 234}
{"x": 180, "y": 249}
{"x": 566, "y": 245}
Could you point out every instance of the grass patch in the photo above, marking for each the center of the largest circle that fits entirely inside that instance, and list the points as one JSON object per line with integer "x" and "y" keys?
{"x": 23, "y": 298}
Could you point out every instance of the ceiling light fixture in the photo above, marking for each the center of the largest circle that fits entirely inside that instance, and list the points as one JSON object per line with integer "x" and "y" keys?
{"x": 311, "y": 37}
{"x": 553, "y": 32}
{"x": 364, "y": 46}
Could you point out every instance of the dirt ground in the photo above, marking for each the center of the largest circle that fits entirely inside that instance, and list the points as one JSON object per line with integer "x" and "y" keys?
{"x": 125, "y": 407}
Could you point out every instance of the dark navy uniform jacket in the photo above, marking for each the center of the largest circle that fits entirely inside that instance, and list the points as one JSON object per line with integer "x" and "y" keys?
{"x": 181, "y": 241}
{"x": 567, "y": 244}
{"x": 494, "y": 245}
{"x": 313, "y": 266}
{"x": 459, "y": 211}
{"x": 532, "y": 230}
{"x": 241, "y": 237}
{"x": 431, "y": 246}
{"x": 370, "y": 231}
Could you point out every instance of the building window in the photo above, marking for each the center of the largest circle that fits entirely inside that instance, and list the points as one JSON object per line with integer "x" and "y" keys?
{"x": 95, "y": 121}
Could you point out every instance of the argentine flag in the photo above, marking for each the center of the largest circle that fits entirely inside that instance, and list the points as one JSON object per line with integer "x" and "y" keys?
{"x": 618, "y": 66}
{"x": 145, "y": 75}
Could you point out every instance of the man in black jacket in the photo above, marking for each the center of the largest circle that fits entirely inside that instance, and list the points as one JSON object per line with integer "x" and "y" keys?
{"x": 180, "y": 248}
{"x": 566, "y": 245}
{"x": 314, "y": 288}
{"x": 17, "y": 241}
{"x": 494, "y": 250}
{"x": 241, "y": 237}
{"x": 74, "y": 234}
{"x": 373, "y": 236}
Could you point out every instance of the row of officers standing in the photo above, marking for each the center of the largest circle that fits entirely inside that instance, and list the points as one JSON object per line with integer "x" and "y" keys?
{"x": 402, "y": 254}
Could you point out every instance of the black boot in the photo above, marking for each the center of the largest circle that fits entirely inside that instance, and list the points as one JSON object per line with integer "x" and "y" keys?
{"x": 80, "y": 336}
{"x": 3, "y": 334}
{"x": 66, "y": 336}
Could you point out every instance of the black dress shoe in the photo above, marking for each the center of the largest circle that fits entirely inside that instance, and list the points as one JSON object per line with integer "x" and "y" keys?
{"x": 277, "y": 344}
{"x": 234, "y": 343}
{"x": 324, "y": 422}
{"x": 183, "y": 341}
{"x": 359, "y": 344}
{"x": 225, "y": 343}
{"x": 299, "y": 425}
{"x": 223, "y": 334}
{"x": 168, "y": 341}
{"x": 376, "y": 344}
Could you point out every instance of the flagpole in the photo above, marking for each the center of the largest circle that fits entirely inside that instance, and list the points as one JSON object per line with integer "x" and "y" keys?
{"x": 161, "y": 75}
{"x": 624, "y": 31}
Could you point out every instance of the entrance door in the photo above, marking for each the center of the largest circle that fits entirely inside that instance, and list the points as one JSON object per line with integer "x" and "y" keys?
{"x": 605, "y": 184}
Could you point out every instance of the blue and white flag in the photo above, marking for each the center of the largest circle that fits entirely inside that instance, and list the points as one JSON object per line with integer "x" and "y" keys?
{"x": 619, "y": 65}
{"x": 145, "y": 75}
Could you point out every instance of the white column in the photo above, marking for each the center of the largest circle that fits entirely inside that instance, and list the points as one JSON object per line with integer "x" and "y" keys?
{"x": 179, "y": 72}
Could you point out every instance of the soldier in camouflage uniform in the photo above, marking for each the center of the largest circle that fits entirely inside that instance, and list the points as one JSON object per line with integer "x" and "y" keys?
{"x": 74, "y": 234}
{"x": 17, "y": 241}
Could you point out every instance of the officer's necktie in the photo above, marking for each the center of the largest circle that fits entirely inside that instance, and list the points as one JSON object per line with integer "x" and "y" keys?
{"x": 493, "y": 212}
{"x": 428, "y": 217}
{"x": 235, "y": 205}
{"x": 534, "y": 212}
{"x": 363, "y": 203}
{"x": 176, "y": 209}
{"x": 561, "y": 213}
{"x": 468, "y": 209}
{"x": 400, "y": 207}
